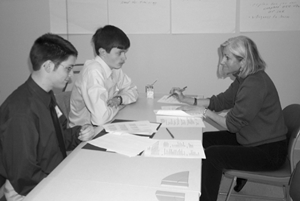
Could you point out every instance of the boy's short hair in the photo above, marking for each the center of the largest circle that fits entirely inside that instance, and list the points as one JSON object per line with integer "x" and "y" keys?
{"x": 50, "y": 47}
{"x": 108, "y": 37}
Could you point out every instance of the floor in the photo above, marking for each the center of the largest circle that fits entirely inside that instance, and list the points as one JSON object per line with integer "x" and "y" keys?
{"x": 251, "y": 188}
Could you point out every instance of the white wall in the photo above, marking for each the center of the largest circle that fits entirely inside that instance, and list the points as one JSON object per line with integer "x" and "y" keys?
{"x": 21, "y": 22}
{"x": 191, "y": 60}
{"x": 174, "y": 60}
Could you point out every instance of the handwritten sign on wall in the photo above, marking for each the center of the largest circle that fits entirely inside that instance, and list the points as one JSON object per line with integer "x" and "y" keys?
{"x": 174, "y": 16}
{"x": 269, "y": 15}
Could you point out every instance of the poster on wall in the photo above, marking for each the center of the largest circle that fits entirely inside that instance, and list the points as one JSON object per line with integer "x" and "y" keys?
{"x": 58, "y": 17}
{"x": 77, "y": 16}
{"x": 143, "y": 17}
{"x": 203, "y": 16}
{"x": 133, "y": 16}
{"x": 269, "y": 15}
{"x": 174, "y": 16}
{"x": 140, "y": 17}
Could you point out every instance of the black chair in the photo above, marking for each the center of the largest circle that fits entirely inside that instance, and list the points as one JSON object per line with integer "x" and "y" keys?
{"x": 279, "y": 177}
{"x": 295, "y": 183}
{"x": 2, "y": 182}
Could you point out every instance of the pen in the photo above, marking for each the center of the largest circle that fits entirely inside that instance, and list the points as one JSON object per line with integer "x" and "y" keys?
{"x": 170, "y": 133}
{"x": 153, "y": 83}
{"x": 181, "y": 90}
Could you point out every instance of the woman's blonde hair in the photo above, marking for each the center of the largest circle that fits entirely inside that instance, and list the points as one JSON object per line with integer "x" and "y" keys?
{"x": 243, "y": 48}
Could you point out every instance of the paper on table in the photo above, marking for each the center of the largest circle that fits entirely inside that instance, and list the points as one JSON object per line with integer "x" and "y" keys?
{"x": 170, "y": 107}
{"x": 126, "y": 144}
{"x": 176, "y": 112}
{"x": 176, "y": 149}
{"x": 133, "y": 127}
{"x": 172, "y": 113}
{"x": 173, "y": 121}
{"x": 170, "y": 100}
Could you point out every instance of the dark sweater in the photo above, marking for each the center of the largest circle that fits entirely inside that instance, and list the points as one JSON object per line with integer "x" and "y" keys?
{"x": 255, "y": 112}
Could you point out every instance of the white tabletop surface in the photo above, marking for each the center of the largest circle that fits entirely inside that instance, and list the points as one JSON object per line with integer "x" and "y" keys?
{"x": 82, "y": 190}
{"x": 97, "y": 175}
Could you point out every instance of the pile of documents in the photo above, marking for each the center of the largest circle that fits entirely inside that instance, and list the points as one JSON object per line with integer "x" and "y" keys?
{"x": 169, "y": 99}
{"x": 170, "y": 116}
{"x": 176, "y": 149}
{"x": 132, "y": 127}
{"x": 126, "y": 144}
{"x": 129, "y": 138}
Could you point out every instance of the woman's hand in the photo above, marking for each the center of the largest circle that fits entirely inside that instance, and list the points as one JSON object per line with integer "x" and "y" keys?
{"x": 176, "y": 92}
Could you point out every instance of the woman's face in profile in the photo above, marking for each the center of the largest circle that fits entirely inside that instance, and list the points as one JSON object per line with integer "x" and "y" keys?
{"x": 230, "y": 64}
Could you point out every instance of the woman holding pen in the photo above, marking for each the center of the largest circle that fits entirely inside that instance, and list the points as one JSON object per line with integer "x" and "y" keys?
{"x": 254, "y": 135}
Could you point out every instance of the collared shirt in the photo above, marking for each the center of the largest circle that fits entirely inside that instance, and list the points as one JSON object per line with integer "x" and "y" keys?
{"x": 95, "y": 85}
{"x": 29, "y": 148}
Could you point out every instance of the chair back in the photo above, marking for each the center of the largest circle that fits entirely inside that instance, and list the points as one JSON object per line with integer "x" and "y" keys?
{"x": 294, "y": 183}
{"x": 292, "y": 120}
{"x": 2, "y": 180}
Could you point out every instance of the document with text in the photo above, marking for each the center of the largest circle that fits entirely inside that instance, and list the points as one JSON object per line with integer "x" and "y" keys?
{"x": 176, "y": 149}
{"x": 132, "y": 127}
{"x": 177, "y": 112}
{"x": 174, "y": 121}
{"x": 126, "y": 144}
{"x": 171, "y": 100}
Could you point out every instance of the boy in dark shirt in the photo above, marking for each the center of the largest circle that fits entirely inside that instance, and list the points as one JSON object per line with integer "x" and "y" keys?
{"x": 33, "y": 134}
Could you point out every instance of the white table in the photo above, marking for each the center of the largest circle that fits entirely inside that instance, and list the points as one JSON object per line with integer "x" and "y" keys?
{"x": 96, "y": 175}
{"x": 143, "y": 110}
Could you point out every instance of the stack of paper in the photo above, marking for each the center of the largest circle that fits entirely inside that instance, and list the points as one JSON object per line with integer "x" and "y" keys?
{"x": 170, "y": 100}
{"x": 178, "y": 118}
{"x": 126, "y": 144}
{"x": 172, "y": 113}
{"x": 132, "y": 127}
{"x": 177, "y": 112}
{"x": 176, "y": 149}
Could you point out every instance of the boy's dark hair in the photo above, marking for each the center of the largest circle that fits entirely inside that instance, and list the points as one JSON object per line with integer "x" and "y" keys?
{"x": 108, "y": 37}
{"x": 50, "y": 47}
